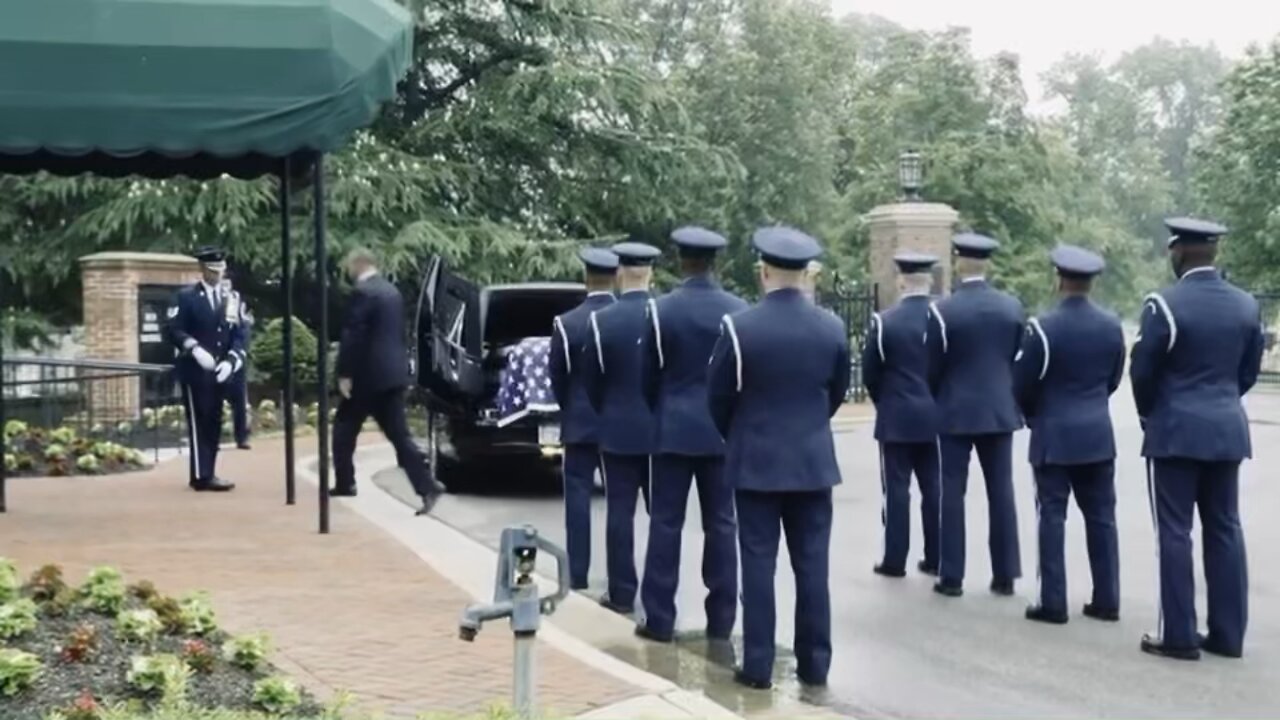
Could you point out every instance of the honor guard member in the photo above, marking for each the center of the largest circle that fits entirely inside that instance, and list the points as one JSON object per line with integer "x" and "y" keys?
{"x": 1071, "y": 361}
{"x": 627, "y": 428}
{"x": 778, "y": 374}
{"x": 973, "y": 337}
{"x": 1199, "y": 350}
{"x": 204, "y": 327}
{"x": 237, "y": 387}
{"x": 571, "y": 332}
{"x": 895, "y": 371}
{"x": 682, "y": 330}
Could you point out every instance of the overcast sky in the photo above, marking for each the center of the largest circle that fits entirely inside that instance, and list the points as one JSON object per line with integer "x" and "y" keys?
{"x": 1040, "y": 32}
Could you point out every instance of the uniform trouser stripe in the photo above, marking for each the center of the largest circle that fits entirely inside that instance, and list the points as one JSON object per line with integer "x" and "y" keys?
{"x": 1035, "y": 480}
{"x": 884, "y": 506}
{"x": 192, "y": 434}
{"x": 1155, "y": 526}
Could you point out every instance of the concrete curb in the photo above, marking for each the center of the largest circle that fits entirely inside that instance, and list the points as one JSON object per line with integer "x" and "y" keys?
{"x": 470, "y": 565}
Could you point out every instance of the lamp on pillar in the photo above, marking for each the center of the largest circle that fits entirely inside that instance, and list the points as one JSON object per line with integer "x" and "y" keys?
{"x": 911, "y": 175}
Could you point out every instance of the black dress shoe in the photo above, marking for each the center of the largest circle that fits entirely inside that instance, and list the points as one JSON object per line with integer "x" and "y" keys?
{"x": 1039, "y": 613}
{"x": 578, "y": 585}
{"x": 926, "y": 568}
{"x": 608, "y": 604}
{"x": 949, "y": 588}
{"x": 1101, "y": 613}
{"x": 889, "y": 572}
{"x": 1212, "y": 647}
{"x": 428, "y": 504}
{"x": 752, "y": 683}
{"x": 1151, "y": 646}
{"x": 244, "y": 445}
{"x": 342, "y": 492}
{"x": 1002, "y": 587}
{"x": 643, "y": 631}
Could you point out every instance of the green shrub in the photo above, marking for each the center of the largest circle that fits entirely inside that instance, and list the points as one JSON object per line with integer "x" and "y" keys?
{"x": 63, "y": 435}
{"x": 17, "y": 618}
{"x": 9, "y": 585}
{"x": 163, "y": 675}
{"x": 197, "y": 615}
{"x": 104, "y": 590}
{"x": 247, "y": 652}
{"x": 56, "y": 451}
{"x": 15, "y": 430}
{"x": 139, "y": 626}
{"x": 88, "y": 464}
{"x": 10, "y": 462}
{"x": 170, "y": 613}
{"x": 276, "y": 695}
{"x": 18, "y": 671}
{"x": 268, "y": 355}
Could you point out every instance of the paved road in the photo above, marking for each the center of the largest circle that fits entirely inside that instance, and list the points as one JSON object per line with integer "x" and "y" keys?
{"x": 901, "y": 651}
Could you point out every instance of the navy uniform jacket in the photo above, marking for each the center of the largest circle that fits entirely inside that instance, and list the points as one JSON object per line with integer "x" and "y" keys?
{"x": 681, "y": 333}
{"x": 372, "y": 351}
{"x": 217, "y": 330}
{"x": 895, "y": 371}
{"x": 612, "y": 370}
{"x": 973, "y": 337}
{"x": 778, "y": 372}
{"x": 570, "y": 334}
{"x": 1071, "y": 361}
{"x": 1198, "y": 352}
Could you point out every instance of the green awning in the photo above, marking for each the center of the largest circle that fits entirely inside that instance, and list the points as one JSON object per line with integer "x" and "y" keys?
{"x": 194, "y": 87}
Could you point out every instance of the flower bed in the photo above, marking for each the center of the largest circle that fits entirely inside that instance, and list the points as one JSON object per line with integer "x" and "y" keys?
{"x": 36, "y": 451}
{"x": 105, "y": 650}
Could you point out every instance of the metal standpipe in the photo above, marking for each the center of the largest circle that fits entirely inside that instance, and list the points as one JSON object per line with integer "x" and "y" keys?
{"x": 515, "y": 596}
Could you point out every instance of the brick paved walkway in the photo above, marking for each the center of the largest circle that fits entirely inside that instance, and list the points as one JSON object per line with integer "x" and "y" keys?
{"x": 352, "y": 611}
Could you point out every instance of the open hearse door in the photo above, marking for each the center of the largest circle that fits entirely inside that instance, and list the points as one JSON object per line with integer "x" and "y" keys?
{"x": 449, "y": 342}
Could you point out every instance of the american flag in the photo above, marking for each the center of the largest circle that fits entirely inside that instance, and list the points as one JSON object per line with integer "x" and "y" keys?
{"x": 525, "y": 383}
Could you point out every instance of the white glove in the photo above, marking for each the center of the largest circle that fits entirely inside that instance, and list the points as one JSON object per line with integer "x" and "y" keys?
{"x": 224, "y": 371}
{"x": 202, "y": 357}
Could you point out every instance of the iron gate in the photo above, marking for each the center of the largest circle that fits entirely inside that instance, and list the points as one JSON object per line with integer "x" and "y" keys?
{"x": 853, "y": 303}
{"x": 1269, "y": 302}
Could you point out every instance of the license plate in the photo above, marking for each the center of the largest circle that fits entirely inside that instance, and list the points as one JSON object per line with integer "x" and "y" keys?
{"x": 548, "y": 434}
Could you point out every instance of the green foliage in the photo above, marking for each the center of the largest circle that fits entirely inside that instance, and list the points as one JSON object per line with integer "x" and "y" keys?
{"x": 268, "y": 355}
{"x": 63, "y": 435}
{"x": 17, "y": 618}
{"x": 15, "y": 429}
{"x": 162, "y": 675}
{"x": 9, "y": 585}
{"x": 18, "y": 671}
{"x": 197, "y": 615}
{"x": 104, "y": 590}
{"x": 80, "y": 644}
{"x": 1236, "y": 176}
{"x": 88, "y": 464}
{"x": 276, "y": 695}
{"x": 169, "y": 611}
{"x": 247, "y": 652}
{"x": 139, "y": 626}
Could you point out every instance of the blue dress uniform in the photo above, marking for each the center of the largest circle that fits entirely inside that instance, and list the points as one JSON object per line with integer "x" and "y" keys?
{"x": 1198, "y": 352}
{"x": 682, "y": 330}
{"x": 209, "y": 339}
{"x": 973, "y": 337}
{"x": 778, "y": 373}
{"x": 627, "y": 428}
{"x": 570, "y": 334}
{"x": 895, "y": 371}
{"x": 1071, "y": 361}
{"x": 237, "y": 386}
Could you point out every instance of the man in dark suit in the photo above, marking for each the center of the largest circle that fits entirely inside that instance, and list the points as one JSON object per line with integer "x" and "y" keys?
{"x": 237, "y": 386}
{"x": 678, "y": 339}
{"x": 1071, "y": 361}
{"x": 203, "y": 325}
{"x": 373, "y": 371}
{"x": 627, "y": 428}
{"x": 1199, "y": 350}
{"x": 973, "y": 337}
{"x": 570, "y": 334}
{"x": 895, "y": 371}
{"x": 778, "y": 373}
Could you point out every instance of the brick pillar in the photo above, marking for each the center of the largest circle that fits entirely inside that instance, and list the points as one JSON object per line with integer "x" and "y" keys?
{"x": 111, "y": 281}
{"x": 910, "y": 227}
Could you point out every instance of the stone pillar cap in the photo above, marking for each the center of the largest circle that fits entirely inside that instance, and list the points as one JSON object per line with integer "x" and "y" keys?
{"x": 125, "y": 257}
{"x": 921, "y": 212}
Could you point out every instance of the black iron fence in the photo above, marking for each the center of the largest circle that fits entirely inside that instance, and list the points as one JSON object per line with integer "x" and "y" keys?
{"x": 854, "y": 303}
{"x": 1269, "y": 302}
{"x": 134, "y": 404}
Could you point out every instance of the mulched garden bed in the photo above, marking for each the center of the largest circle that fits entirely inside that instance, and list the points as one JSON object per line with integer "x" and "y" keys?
{"x": 80, "y": 640}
